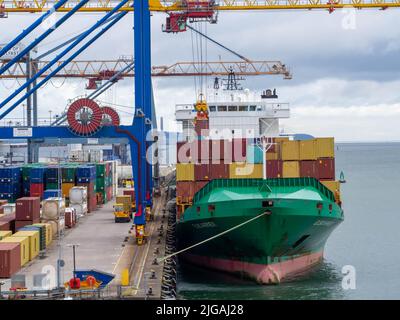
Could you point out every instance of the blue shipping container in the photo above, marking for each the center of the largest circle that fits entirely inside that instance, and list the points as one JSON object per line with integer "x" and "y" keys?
{"x": 10, "y": 174}
{"x": 51, "y": 193}
{"x": 254, "y": 154}
{"x": 88, "y": 172}
{"x": 51, "y": 173}
{"x": 37, "y": 174}
{"x": 10, "y": 188}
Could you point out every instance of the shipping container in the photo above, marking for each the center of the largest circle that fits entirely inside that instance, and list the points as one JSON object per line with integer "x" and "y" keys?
{"x": 184, "y": 172}
{"x": 10, "y": 174}
{"x": 218, "y": 171}
{"x": 81, "y": 209}
{"x": 185, "y": 191}
{"x": 186, "y": 152}
{"x": 51, "y": 173}
{"x": 5, "y": 234}
{"x": 36, "y": 190}
{"x": 308, "y": 168}
{"x": 254, "y": 154}
{"x": 10, "y": 259}
{"x": 51, "y": 193}
{"x": 42, "y": 234}
{"x": 52, "y": 185}
{"x": 66, "y": 188}
{"x": 27, "y": 208}
{"x": 53, "y": 208}
{"x": 68, "y": 174}
{"x": 242, "y": 170}
{"x": 131, "y": 193}
{"x": 92, "y": 203}
{"x": 290, "y": 150}
{"x": 272, "y": 156}
{"x": 70, "y": 217}
{"x": 37, "y": 175}
{"x": 239, "y": 149}
{"x": 34, "y": 242}
{"x": 57, "y": 226}
{"x": 326, "y": 168}
{"x": 291, "y": 169}
{"x": 202, "y": 127}
{"x": 201, "y": 172}
{"x": 21, "y": 224}
{"x": 78, "y": 195}
{"x": 85, "y": 173}
{"x": 5, "y": 225}
{"x": 199, "y": 185}
{"x": 24, "y": 247}
{"x": 221, "y": 150}
{"x": 308, "y": 149}
{"x": 274, "y": 169}
{"x": 204, "y": 151}
{"x": 325, "y": 147}
{"x": 49, "y": 233}
{"x": 90, "y": 186}
{"x": 7, "y": 222}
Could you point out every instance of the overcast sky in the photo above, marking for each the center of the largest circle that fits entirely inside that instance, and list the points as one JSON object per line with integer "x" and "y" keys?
{"x": 345, "y": 66}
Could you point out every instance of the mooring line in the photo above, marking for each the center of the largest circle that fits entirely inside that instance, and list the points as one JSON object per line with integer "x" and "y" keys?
{"x": 213, "y": 237}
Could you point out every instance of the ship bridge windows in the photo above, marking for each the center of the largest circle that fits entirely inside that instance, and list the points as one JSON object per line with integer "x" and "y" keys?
{"x": 232, "y": 108}
{"x": 212, "y": 108}
{"x": 243, "y": 108}
{"x": 252, "y": 108}
{"x": 222, "y": 108}
{"x": 259, "y": 108}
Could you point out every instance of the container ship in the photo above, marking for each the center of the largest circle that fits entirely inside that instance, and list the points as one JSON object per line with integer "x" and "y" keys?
{"x": 267, "y": 202}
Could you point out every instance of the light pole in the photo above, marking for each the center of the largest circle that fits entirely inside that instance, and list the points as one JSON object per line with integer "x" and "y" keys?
{"x": 50, "y": 115}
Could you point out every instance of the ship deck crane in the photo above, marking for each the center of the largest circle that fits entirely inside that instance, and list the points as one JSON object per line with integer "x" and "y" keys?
{"x": 142, "y": 122}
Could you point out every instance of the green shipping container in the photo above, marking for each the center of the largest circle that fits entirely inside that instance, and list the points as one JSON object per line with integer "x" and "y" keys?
{"x": 51, "y": 186}
{"x": 68, "y": 174}
{"x": 100, "y": 184}
{"x": 100, "y": 170}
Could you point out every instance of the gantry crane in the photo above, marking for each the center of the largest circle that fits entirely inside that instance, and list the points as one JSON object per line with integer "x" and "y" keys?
{"x": 186, "y": 11}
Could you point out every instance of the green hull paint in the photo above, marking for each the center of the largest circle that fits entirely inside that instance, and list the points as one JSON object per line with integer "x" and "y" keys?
{"x": 295, "y": 226}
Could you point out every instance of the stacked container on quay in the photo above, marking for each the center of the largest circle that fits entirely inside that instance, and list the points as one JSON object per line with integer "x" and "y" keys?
{"x": 234, "y": 169}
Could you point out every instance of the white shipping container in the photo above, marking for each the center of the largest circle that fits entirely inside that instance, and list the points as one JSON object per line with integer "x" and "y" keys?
{"x": 53, "y": 208}
{"x": 9, "y": 208}
{"x": 80, "y": 209}
{"x": 78, "y": 195}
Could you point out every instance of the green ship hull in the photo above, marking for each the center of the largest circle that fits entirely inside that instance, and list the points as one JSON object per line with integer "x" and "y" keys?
{"x": 296, "y": 217}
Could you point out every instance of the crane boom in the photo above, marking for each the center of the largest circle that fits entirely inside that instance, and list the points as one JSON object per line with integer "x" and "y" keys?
{"x": 31, "y": 6}
{"x": 107, "y": 68}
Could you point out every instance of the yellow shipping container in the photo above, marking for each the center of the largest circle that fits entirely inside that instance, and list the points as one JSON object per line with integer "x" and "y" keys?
{"x": 34, "y": 242}
{"x": 184, "y": 172}
{"x": 49, "y": 232}
{"x": 308, "y": 149}
{"x": 242, "y": 170}
{"x": 325, "y": 147}
{"x": 125, "y": 200}
{"x": 5, "y": 234}
{"x": 281, "y": 139}
{"x": 24, "y": 247}
{"x": 290, "y": 150}
{"x": 272, "y": 156}
{"x": 291, "y": 169}
{"x": 66, "y": 186}
{"x": 332, "y": 185}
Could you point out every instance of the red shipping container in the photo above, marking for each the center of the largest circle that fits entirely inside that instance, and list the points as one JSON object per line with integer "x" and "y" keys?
{"x": 5, "y": 226}
{"x": 7, "y": 222}
{"x": 70, "y": 219}
{"x": 185, "y": 190}
{"x": 239, "y": 150}
{"x": 274, "y": 168}
{"x": 20, "y": 224}
{"x": 308, "y": 168}
{"x": 221, "y": 150}
{"x": 326, "y": 168}
{"x": 10, "y": 259}
{"x": 130, "y": 192}
{"x": 92, "y": 203}
{"x": 109, "y": 193}
{"x": 203, "y": 151}
{"x": 219, "y": 171}
{"x": 202, "y": 127}
{"x": 36, "y": 190}
{"x": 27, "y": 208}
{"x": 201, "y": 172}
{"x": 199, "y": 185}
{"x": 186, "y": 152}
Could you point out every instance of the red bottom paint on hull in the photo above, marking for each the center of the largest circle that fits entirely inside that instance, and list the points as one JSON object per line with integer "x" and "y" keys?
{"x": 264, "y": 274}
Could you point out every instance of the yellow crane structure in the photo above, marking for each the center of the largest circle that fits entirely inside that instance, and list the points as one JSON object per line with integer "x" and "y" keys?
{"x": 8, "y": 6}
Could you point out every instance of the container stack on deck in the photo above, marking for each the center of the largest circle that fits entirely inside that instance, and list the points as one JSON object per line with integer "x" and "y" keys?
{"x": 10, "y": 187}
{"x": 86, "y": 177}
{"x": 203, "y": 160}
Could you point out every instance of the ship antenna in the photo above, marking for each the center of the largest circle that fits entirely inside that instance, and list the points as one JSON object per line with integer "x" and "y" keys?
{"x": 232, "y": 83}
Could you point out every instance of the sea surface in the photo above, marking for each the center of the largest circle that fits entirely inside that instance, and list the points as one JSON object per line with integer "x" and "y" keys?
{"x": 368, "y": 239}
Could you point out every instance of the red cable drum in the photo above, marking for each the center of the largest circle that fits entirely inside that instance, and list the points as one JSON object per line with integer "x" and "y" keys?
{"x": 84, "y": 117}
{"x": 110, "y": 117}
